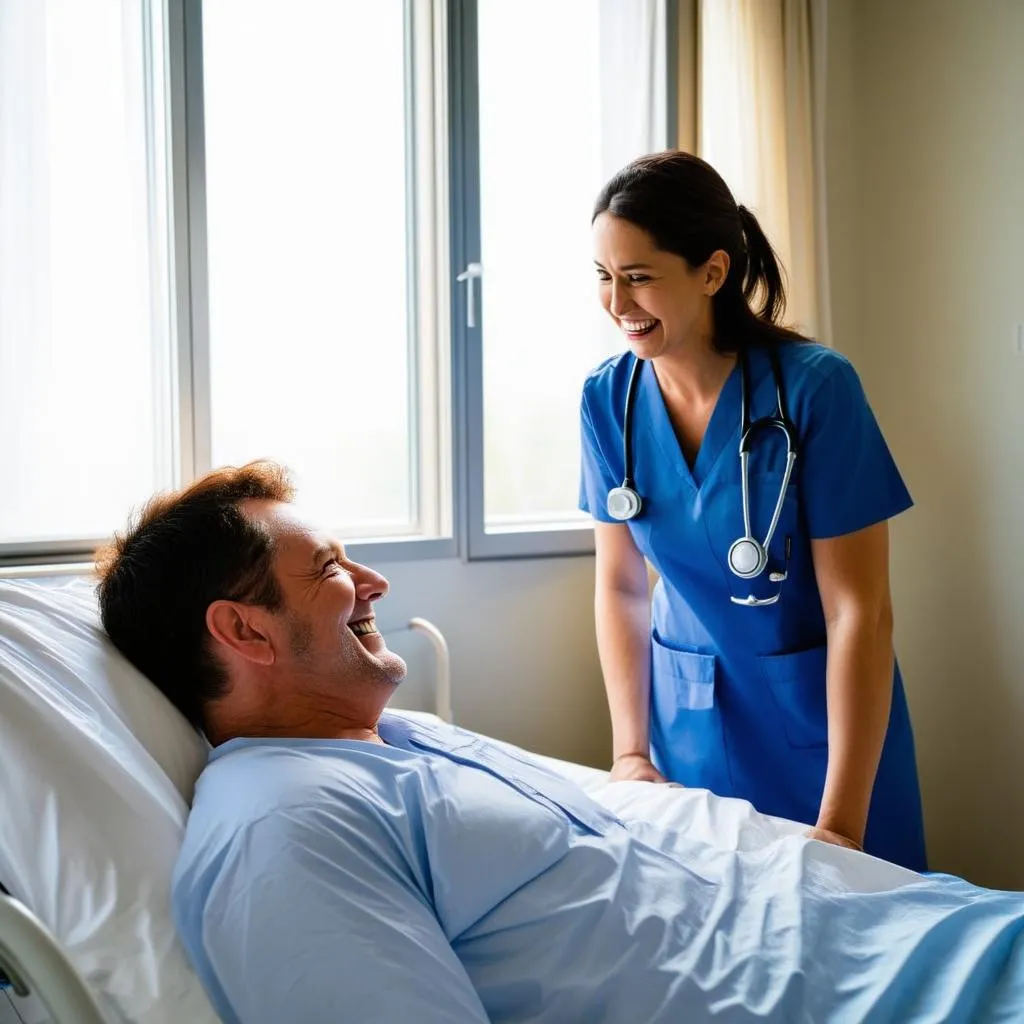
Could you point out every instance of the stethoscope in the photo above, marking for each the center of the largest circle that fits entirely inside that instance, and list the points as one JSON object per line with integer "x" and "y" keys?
{"x": 748, "y": 557}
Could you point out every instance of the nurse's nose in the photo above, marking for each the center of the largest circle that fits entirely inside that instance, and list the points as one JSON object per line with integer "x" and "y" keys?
{"x": 620, "y": 302}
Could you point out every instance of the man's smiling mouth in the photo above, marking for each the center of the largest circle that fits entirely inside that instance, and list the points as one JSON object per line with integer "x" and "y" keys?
{"x": 364, "y": 627}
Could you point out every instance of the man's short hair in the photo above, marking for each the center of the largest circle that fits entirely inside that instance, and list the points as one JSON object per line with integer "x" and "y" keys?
{"x": 185, "y": 550}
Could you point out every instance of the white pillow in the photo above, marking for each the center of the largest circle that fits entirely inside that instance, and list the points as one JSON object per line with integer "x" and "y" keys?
{"x": 97, "y": 772}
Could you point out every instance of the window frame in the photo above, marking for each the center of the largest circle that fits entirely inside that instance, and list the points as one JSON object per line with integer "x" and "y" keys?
{"x": 441, "y": 41}
{"x": 467, "y": 342}
{"x": 18, "y": 558}
{"x": 427, "y": 352}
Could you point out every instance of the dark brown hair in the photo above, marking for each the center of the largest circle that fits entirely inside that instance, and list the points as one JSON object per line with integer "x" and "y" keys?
{"x": 185, "y": 550}
{"x": 687, "y": 209}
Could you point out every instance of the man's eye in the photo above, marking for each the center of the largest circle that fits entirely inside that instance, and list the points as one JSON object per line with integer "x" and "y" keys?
{"x": 333, "y": 567}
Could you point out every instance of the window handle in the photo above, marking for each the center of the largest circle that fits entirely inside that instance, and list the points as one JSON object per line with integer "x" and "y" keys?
{"x": 469, "y": 275}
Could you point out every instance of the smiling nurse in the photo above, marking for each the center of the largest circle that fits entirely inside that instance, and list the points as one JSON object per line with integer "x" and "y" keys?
{"x": 744, "y": 462}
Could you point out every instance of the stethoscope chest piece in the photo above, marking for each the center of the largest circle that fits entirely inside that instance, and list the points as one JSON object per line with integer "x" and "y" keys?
{"x": 624, "y": 503}
{"x": 747, "y": 558}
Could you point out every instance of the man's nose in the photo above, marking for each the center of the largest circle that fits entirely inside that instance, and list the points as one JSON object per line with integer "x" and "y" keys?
{"x": 370, "y": 585}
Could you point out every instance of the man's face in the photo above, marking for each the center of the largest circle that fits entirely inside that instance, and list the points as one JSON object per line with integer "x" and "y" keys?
{"x": 327, "y": 635}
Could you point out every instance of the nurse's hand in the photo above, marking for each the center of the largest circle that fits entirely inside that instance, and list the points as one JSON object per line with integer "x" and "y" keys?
{"x": 634, "y": 768}
{"x": 825, "y": 835}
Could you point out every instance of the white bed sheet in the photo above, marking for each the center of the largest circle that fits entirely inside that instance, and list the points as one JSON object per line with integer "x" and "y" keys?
{"x": 727, "y": 824}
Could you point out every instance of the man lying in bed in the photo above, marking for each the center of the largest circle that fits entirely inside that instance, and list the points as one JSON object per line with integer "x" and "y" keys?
{"x": 344, "y": 863}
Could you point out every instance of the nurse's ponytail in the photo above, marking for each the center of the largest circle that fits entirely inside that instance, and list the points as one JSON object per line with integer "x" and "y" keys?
{"x": 686, "y": 207}
{"x": 762, "y": 281}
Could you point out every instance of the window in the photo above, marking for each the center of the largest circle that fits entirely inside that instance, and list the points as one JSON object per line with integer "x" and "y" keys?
{"x": 238, "y": 229}
{"x": 540, "y": 169}
{"x": 86, "y": 417}
{"x": 310, "y": 220}
{"x": 567, "y": 94}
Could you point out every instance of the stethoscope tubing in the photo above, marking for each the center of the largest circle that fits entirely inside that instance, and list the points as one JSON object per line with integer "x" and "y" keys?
{"x": 625, "y": 502}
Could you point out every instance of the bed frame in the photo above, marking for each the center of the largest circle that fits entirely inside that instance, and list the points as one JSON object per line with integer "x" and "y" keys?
{"x": 34, "y": 963}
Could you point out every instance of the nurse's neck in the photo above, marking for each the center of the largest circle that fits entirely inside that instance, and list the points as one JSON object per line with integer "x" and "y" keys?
{"x": 693, "y": 372}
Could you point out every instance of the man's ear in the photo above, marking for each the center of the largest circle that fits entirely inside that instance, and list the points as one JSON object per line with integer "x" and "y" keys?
{"x": 241, "y": 629}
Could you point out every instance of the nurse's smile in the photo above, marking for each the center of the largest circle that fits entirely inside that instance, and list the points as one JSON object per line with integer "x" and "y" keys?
{"x": 637, "y": 328}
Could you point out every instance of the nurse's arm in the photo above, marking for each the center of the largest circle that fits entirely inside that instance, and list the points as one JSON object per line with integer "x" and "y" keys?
{"x": 622, "y": 618}
{"x": 853, "y": 579}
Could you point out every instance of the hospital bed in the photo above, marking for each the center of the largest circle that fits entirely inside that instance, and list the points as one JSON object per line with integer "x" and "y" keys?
{"x": 97, "y": 774}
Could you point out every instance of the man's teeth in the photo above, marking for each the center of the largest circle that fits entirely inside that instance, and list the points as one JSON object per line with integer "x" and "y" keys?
{"x": 638, "y": 326}
{"x": 364, "y": 628}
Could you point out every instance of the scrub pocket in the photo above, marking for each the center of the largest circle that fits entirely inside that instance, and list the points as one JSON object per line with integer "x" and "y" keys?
{"x": 692, "y": 675}
{"x": 687, "y": 722}
{"x": 797, "y": 684}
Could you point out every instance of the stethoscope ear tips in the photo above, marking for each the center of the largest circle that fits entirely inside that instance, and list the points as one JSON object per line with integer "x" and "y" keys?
{"x": 623, "y": 503}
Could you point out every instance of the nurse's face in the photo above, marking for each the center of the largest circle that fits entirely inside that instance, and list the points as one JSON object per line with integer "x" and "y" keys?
{"x": 659, "y": 302}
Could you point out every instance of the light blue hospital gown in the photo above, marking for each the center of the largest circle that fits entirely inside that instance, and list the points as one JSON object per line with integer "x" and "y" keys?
{"x": 445, "y": 878}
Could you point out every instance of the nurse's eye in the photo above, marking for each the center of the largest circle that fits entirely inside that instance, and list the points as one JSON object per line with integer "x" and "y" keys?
{"x": 638, "y": 279}
{"x": 603, "y": 275}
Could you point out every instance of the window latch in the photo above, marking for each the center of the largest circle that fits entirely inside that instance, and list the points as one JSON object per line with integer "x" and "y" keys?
{"x": 469, "y": 275}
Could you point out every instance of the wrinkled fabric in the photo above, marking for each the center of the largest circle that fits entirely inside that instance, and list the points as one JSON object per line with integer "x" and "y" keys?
{"x": 440, "y": 877}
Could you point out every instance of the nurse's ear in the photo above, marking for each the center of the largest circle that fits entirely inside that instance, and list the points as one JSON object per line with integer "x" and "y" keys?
{"x": 715, "y": 270}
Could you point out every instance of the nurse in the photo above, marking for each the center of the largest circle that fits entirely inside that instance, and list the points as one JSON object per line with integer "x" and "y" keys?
{"x": 764, "y": 666}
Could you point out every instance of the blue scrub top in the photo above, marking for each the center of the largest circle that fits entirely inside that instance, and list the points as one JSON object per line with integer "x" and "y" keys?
{"x": 738, "y": 702}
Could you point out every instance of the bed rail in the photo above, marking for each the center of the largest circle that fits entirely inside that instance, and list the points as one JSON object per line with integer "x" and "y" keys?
{"x": 35, "y": 963}
{"x": 443, "y": 693}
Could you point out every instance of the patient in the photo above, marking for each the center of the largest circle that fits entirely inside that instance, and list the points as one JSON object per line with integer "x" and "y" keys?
{"x": 346, "y": 863}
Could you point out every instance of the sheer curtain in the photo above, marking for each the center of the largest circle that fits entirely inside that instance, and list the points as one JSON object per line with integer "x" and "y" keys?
{"x": 84, "y": 316}
{"x": 761, "y": 78}
{"x": 633, "y": 74}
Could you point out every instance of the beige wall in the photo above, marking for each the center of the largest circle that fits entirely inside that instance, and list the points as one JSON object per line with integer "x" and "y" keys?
{"x": 523, "y": 651}
{"x": 926, "y": 215}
